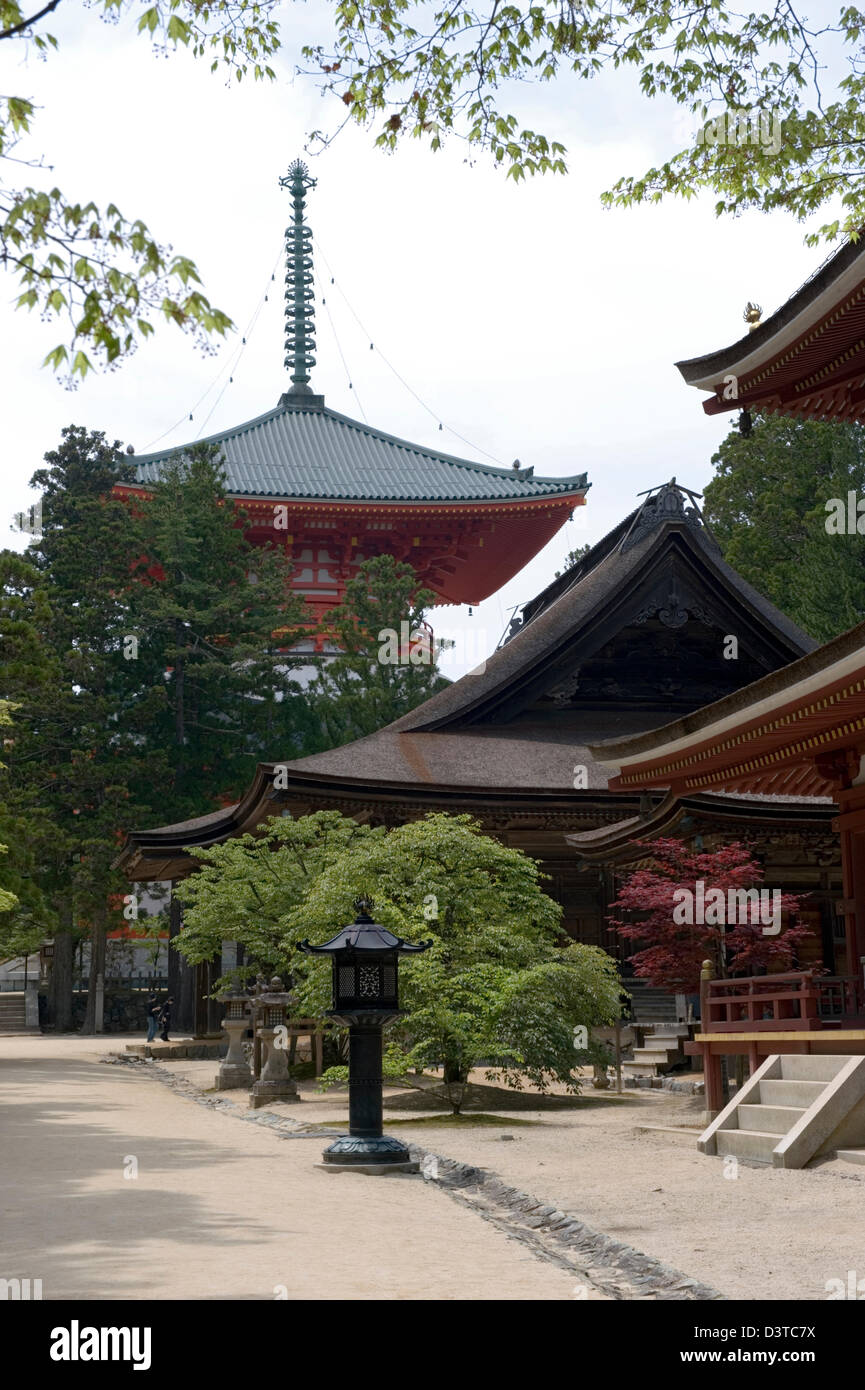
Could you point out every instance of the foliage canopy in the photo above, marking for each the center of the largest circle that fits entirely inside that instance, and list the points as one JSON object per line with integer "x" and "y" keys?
{"x": 498, "y": 984}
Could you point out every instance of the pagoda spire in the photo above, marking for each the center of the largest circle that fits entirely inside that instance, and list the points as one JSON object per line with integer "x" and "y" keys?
{"x": 299, "y": 294}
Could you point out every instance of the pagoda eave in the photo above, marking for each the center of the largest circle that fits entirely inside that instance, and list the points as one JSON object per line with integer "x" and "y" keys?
{"x": 463, "y": 550}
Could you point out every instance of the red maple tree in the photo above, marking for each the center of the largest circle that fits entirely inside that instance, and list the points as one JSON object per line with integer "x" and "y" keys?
{"x": 674, "y": 951}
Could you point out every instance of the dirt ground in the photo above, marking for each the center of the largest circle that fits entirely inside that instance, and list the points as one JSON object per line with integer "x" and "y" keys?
{"x": 213, "y": 1207}
{"x": 225, "y": 1209}
{"x": 761, "y": 1234}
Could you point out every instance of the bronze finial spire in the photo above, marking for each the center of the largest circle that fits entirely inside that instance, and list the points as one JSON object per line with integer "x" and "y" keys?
{"x": 299, "y": 294}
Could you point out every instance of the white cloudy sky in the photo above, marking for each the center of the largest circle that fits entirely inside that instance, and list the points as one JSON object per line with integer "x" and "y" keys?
{"x": 531, "y": 321}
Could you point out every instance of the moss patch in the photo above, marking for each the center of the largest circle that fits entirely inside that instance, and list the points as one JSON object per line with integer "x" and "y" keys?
{"x": 461, "y": 1121}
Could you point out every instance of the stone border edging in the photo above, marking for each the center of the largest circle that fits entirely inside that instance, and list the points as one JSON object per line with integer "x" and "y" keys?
{"x": 617, "y": 1269}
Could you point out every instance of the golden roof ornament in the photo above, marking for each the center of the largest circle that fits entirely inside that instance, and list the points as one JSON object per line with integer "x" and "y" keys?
{"x": 752, "y": 315}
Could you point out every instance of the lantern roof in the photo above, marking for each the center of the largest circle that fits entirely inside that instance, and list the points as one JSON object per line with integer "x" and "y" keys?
{"x": 364, "y": 935}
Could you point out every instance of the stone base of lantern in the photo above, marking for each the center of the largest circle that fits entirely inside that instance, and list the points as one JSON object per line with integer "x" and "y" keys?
{"x": 234, "y": 1076}
{"x": 380, "y": 1154}
{"x": 234, "y": 1073}
{"x": 263, "y": 1092}
{"x": 275, "y": 1081}
{"x": 372, "y": 1170}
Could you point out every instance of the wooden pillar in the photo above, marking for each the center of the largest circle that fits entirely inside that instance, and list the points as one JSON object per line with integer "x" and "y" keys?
{"x": 844, "y": 770}
{"x": 180, "y": 974}
{"x": 714, "y": 1082}
{"x": 854, "y": 872}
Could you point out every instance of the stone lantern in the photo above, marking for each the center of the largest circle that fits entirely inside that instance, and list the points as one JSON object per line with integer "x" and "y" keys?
{"x": 364, "y": 958}
{"x": 234, "y": 1073}
{"x": 271, "y": 1033}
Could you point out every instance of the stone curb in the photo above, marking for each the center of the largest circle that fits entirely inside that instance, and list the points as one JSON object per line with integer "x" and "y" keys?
{"x": 619, "y": 1270}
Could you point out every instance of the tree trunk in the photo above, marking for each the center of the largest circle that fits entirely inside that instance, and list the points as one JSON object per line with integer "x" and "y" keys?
{"x": 60, "y": 987}
{"x": 93, "y": 1022}
{"x": 179, "y": 711}
{"x": 180, "y": 974}
{"x": 455, "y": 1083}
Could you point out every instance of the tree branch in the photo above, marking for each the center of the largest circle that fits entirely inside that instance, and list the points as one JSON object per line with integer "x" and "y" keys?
{"x": 28, "y": 23}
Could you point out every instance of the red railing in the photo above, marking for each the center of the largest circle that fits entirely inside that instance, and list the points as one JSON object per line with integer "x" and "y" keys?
{"x": 778, "y": 1003}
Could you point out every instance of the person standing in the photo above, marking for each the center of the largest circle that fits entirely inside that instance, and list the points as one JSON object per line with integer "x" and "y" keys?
{"x": 165, "y": 1019}
{"x": 152, "y": 1010}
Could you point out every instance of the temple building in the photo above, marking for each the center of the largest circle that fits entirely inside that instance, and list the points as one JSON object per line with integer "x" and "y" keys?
{"x": 650, "y": 624}
{"x": 799, "y": 731}
{"x": 334, "y": 492}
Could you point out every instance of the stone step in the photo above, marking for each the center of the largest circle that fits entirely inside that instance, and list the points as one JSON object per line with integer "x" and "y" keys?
{"x": 199, "y": 1049}
{"x": 753, "y": 1144}
{"x": 800, "y": 1094}
{"x": 851, "y": 1155}
{"x": 811, "y": 1067}
{"x": 777, "y": 1119}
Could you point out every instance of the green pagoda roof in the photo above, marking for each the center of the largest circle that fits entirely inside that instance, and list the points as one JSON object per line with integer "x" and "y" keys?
{"x": 304, "y": 450}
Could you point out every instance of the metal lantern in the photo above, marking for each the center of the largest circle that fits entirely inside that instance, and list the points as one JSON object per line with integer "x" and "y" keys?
{"x": 364, "y": 958}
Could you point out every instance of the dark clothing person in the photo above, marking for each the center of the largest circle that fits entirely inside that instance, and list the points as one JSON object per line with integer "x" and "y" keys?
{"x": 165, "y": 1019}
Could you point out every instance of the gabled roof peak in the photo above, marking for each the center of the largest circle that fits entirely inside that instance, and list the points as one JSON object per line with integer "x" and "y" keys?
{"x": 666, "y": 502}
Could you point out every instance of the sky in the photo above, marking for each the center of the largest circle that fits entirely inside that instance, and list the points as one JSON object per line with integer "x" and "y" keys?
{"x": 531, "y": 322}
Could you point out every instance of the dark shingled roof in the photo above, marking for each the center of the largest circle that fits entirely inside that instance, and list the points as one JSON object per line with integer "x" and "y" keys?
{"x": 595, "y": 586}
{"x": 439, "y": 746}
{"x": 432, "y": 744}
{"x": 309, "y": 452}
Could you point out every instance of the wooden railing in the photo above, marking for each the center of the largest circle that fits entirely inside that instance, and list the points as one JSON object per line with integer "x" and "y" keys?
{"x": 779, "y": 1003}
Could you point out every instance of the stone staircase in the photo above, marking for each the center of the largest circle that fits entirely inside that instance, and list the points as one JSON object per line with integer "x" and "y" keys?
{"x": 794, "y": 1108}
{"x": 661, "y": 1050}
{"x": 13, "y": 1015}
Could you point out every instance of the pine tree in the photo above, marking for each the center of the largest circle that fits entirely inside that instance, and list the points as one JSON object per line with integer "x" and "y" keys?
{"x": 89, "y": 749}
{"x": 767, "y": 506}
{"x": 28, "y": 683}
{"x": 385, "y": 664}
{"x": 213, "y": 618}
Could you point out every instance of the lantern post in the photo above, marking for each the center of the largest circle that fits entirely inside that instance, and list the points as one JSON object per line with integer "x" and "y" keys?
{"x": 364, "y": 959}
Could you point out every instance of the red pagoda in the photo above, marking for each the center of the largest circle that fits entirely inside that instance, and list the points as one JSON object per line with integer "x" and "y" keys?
{"x": 335, "y": 492}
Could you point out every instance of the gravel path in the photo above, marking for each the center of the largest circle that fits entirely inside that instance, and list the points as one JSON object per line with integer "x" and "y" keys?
{"x": 220, "y": 1209}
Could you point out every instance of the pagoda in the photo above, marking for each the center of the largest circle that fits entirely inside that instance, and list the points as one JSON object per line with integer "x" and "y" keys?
{"x": 334, "y": 492}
